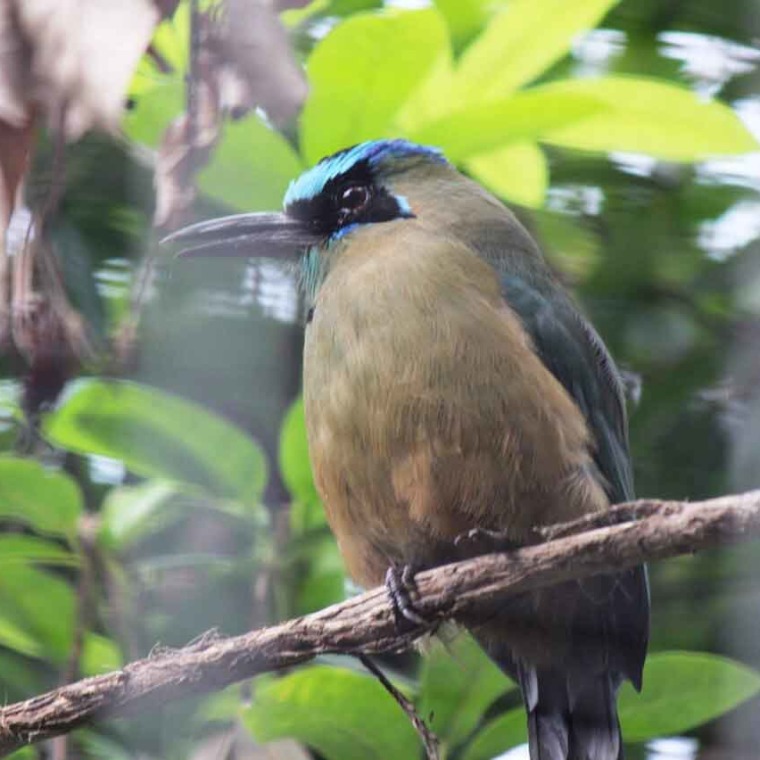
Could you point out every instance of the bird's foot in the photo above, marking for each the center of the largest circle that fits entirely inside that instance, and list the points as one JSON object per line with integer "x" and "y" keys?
{"x": 482, "y": 541}
{"x": 399, "y": 581}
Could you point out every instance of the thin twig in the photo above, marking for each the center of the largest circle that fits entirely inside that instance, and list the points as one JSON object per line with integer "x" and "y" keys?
{"x": 60, "y": 744}
{"x": 365, "y": 624}
{"x": 191, "y": 86}
{"x": 427, "y": 737}
{"x": 87, "y": 529}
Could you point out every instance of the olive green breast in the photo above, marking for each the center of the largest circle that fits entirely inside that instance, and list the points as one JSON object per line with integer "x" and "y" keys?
{"x": 427, "y": 411}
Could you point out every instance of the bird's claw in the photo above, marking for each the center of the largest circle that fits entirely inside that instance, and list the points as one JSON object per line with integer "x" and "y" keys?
{"x": 399, "y": 581}
{"x": 481, "y": 541}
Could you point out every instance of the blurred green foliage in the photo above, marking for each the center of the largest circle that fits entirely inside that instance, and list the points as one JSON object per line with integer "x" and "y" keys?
{"x": 148, "y": 432}
{"x": 195, "y": 500}
{"x": 353, "y": 717}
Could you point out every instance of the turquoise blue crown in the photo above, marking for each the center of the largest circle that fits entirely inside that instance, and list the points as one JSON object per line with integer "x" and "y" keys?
{"x": 375, "y": 152}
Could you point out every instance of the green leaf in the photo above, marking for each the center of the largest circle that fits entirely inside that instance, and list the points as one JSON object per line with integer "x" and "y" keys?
{"x": 159, "y": 435}
{"x": 99, "y": 655}
{"x": 292, "y": 17}
{"x": 568, "y": 243}
{"x": 652, "y": 117}
{"x": 520, "y": 43}
{"x": 154, "y": 109}
{"x": 294, "y": 456}
{"x": 222, "y": 706}
{"x": 251, "y": 167}
{"x": 307, "y": 517}
{"x": 682, "y": 690}
{"x": 340, "y": 713}
{"x": 131, "y": 512}
{"x": 361, "y": 74}
{"x": 19, "y": 679}
{"x": 320, "y": 572}
{"x": 465, "y": 18}
{"x": 96, "y": 745}
{"x": 517, "y": 173}
{"x": 19, "y": 549}
{"x": 47, "y": 501}
{"x": 323, "y": 580}
{"x": 36, "y": 612}
{"x": 172, "y": 38}
{"x": 171, "y": 41}
{"x": 159, "y": 96}
{"x": 347, "y": 7}
{"x": 497, "y": 736}
{"x": 525, "y": 116}
{"x": 431, "y": 100}
{"x": 16, "y": 638}
{"x": 25, "y": 753}
{"x": 458, "y": 684}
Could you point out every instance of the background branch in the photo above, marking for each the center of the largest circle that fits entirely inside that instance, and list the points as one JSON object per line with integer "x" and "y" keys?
{"x": 365, "y": 624}
{"x": 429, "y": 740}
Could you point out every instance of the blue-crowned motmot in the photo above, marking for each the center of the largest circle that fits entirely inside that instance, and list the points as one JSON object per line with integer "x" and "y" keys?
{"x": 450, "y": 384}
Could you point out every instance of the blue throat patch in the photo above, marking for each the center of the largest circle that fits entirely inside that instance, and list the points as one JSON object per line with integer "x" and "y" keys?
{"x": 311, "y": 183}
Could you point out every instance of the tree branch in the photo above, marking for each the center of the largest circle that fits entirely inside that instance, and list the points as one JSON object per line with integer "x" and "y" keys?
{"x": 429, "y": 740}
{"x": 365, "y": 624}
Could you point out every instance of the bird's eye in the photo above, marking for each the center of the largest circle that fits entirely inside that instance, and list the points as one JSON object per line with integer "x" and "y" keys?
{"x": 354, "y": 198}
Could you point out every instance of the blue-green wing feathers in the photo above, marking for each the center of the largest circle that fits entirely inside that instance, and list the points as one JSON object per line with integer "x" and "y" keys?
{"x": 573, "y": 352}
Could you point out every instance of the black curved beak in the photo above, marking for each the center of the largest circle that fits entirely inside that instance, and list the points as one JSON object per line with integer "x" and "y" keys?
{"x": 269, "y": 235}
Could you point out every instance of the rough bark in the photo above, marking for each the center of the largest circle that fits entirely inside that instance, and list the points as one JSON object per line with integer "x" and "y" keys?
{"x": 629, "y": 534}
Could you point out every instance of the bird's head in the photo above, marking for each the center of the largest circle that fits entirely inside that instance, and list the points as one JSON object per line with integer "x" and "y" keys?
{"x": 359, "y": 186}
{"x": 354, "y": 187}
{"x": 373, "y": 183}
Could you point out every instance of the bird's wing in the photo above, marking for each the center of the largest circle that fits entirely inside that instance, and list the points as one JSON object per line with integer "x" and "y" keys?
{"x": 573, "y": 352}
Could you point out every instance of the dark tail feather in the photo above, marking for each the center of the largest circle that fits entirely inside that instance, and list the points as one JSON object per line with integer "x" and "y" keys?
{"x": 570, "y": 718}
{"x": 595, "y": 726}
{"x": 546, "y": 705}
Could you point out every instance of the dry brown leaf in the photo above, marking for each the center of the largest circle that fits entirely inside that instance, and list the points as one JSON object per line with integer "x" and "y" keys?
{"x": 243, "y": 59}
{"x": 48, "y": 333}
{"x": 82, "y": 54}
{"x": 264, "y": 70}
{"x": 67, "y": 61}
{"x": 185, "y": 147}
{"x": 15, "y": 147}
{"x": 45, "y": 325}
{"x": 174, "y": 192}
{"x": 75, "y": 56}
{"x": 14, "y": 68}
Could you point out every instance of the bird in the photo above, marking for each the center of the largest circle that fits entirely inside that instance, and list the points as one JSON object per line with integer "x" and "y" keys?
{"x": 452, "y": 386}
